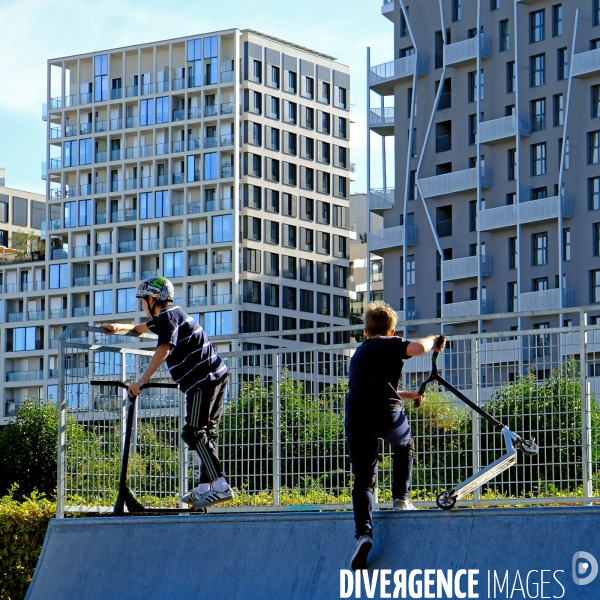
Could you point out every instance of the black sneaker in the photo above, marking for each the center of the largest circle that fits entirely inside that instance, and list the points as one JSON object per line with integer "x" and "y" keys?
{"x": 359, "y": 556}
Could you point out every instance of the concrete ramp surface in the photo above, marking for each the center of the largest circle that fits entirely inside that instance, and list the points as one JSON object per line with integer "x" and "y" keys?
{"x": 512, "y": 553}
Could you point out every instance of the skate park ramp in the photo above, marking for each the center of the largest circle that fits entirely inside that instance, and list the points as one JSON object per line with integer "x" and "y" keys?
{"x": 518, "y": 553}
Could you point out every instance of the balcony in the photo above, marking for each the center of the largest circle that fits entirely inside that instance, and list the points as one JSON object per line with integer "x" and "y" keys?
{"x": 381, "y": 121}
{"x": 81, "y": 281}
{"x": 178, "y": 84}
{"x": 224, "y": 267}
{"x": 465, "y": 268}
{"x": 131, "y": 152}
{"x": 162, "y": 148}
{"x": 178, "y": 178}
{"x": 131, "y": 91}
{"x": 127, "y": 277}
{"x": 36, "y": 315}
{"x": 58, "y": 313}
{"x": 147, "y": 88}
{"x": 85, "y": 128}
{"x": 100, "y": 187}
{"x": 467, "y": 309}
{"x": 178, "y": 146}
{"x": 55, "y": 163}
{"x": 162, "y": 180}
{"x": 227, "y": 139}
{"x": 116, "y": 124}
{"x": 387, "y": 10}
{"x": 24, "y": 375}
{"x": 586, "y": 63}
{"x": 458, "y": 181}
{"x": 14, "y": 317}
{"x": 101, "y": 126}
{"x": 194, "y": 208}
{"x": 81, "y": 311}
{"x": 85, "y": 98}
{"x": 500, "y": 129}
{"x": 219, "y": 204}
{"x": 195, "y": 112}
{"x": 177, "y": 210}
{"x": 210, "y": 141}
{"x": 103, "y": 279}
{"x": 81, "y": 251}
{"x": 194, "y": 143}
{"x": 546, "y": 300}
{"x": 131, "y": 184}
{"x": 533, "y": 211}
{"x": 85, "y": 189}
{"x": 465, "y": 51}
{"x": 227, "y": 76}
{"x": 197, "y": 270}
{"x": 104, "y": 249}
{"x": 150, "y": 244}
{"x": 55, "y": 102}
{"x": 146, "y": 151}
{"x": 130, "y": 214}
{"x": 197, "y": 239}
{"x": 391, "y": 237}
{"x": 101, "y": 156}
{"x": 131, "y": 122}
{"x": 227, "y": 108}
{"x": 128, "y": 246}
{"x": 218, "y": 299}
{"x": 116, "y": 185}
{"x": 179, "y": 115}
{"x": 382, "y": 78}
{"x": 59, "y": 254}
{"x": 115, "y": 154}
{"x": 116, "y": 93}
{"x": 211, "y": 110}
{"x": 443, "y": 143}
{"x": 382, "y": 200}
{"x": 174, "y": 241}
{"x": 145, "y": 182}
{"x": 194, "y": 301}
{"x": 149, "y": 273}
{"x": 226, "y": 171}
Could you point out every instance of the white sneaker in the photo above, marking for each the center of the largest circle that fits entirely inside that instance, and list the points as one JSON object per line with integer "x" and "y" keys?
{"x": 193, "y": 494}
{"x": 211, "y": 497}
{"x": 404, "y": 505}
{"x": 361, "y": 552}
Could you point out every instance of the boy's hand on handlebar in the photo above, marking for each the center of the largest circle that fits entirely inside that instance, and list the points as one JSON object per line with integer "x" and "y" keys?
{"x": 439, "y": 343}
{"x": 110, "y": 328}
{"x": 419, "y": 400}
{"x": 135, "y": 389}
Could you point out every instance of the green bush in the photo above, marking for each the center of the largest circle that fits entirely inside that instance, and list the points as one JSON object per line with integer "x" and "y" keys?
{"x": 28, "y": 450}
{"x": 22, "y": 531}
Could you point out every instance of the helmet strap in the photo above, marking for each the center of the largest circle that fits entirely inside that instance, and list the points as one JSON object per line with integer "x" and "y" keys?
{"x": 151, "y": 307}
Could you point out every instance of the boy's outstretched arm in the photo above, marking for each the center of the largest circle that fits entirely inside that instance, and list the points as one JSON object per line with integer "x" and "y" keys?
{"x": 159, "y": 357}
{"x": 114, "y": 327}
{"x": 424, "y": 345}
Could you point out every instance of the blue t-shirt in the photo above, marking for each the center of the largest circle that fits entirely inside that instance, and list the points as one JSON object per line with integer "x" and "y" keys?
{"x": 193, "y": 360}
{"x": 375, "y": 371}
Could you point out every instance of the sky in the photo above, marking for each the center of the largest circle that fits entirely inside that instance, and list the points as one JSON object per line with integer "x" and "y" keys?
{"x": 32, "y": 32}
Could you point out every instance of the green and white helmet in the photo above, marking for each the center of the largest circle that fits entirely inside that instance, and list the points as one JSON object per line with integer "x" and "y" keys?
{"x": 156, "y": 287}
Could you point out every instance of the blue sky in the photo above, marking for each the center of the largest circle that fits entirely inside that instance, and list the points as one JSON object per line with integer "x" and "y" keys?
{"x": 33, "y": 31}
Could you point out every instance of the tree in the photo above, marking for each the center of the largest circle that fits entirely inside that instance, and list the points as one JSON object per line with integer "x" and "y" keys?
{"x": 27, "y": 242}
{"x": 28, "y": 449}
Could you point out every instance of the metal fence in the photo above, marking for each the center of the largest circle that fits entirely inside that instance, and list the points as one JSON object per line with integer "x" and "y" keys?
{"x": 282, "y": 437}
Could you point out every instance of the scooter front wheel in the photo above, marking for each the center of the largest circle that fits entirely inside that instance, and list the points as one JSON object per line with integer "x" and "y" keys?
{"x": 445, "y": 501}
{"x": 529, "y": 447}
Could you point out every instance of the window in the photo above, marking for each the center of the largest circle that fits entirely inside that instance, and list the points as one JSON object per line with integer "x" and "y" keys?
{"x": 288, "y": 205}
{"x": 271, "y": 294}
{"x": 403, "y": 24}
{"x": 595, "y": 101}
{"x": 306, "y": 239}
{"x": 341, "y": 306}
{"x": 306, "y": 270}
{"x": 222, "y": 228}
{"x": 538, "y": 114}
{"x": 70, "y": 154}
{"x": 288, "y": 267}
{"x": 288, "y": 298}
{"x": 219, "y": 322}
{"x": 70, "y": 214}
{"x": 251, "y": 260}
{"x": 273, "y": 77}
{"x": 473, "y": 215}
{"x": 512, "y": 164}
{"x": 596, "y": 16}
{"x": 494, "y": 4}
{"x": 146, "y": 112}
{"x": 324, "y": 92}
{"x": 323, "y": 273}
{"x": 593, "y": 147}
{"x": 537, "y": 70}
{"x": 85, "y": 152}
{"x": 504, "y": 36}
{"x": 323, "y": 303}
{"x": 538, "y": 159}
{"x": 595, "y": 286}
{"x": 472, "y": 124}
{"x": 566, "y": 244}
{"x": 289, "y": 143}
{"x": 59, "y": 276}
{"x": 510, "y": 77}
{"x": 539, "y": 249}
{"x": 289, "y": 174}
{"x": 251, "y": 229}
{"x": 290, "y": 82}
{"x": 512, "y": 253}
{"x": 272, "y": 264}
{"x": 540, "y": 284}
{"x": 539, "y": 193}
{"x": 272, "y": 201}
{"x": 306, "y": 209}
{"x": 24, "y": 338}
{"x": 595, "y": 239}
{"x": 162, "y": 110}
{"x": 126, "y": 300}
{"x": 594, "y": 193}
{"x": 103, "y": 304}
{"x": 558, "y": 101}
{"x": 271, "y": 323}
{"x": 210, "y": 166}
{"x": 472, "y": 86}
{"x": 323, "y": 245}
{"x": 537, "y": 26}
{"x": 84, "y": 214}
{"x": 251, "y": 292}
{"x": 101, "y": 78}
{"x": 173, "y": 264}
{"x": 340, "y": 275}
{"x": 410, "y": 270}
{"x": 307, "y": 301}
{"x": 456, "y": 10}
{"x": 307, "y": 87}
{"x": 557, "y": 20}
{"x": 560, "y": 150}
{"x": 288, "y": 236}
{"x": 513, "y": 297}
{"x": 272, "y": 107}
{"x": 341, "y": 97}
{"x": 290, "y": 112}
{"x": 562, "y": 64}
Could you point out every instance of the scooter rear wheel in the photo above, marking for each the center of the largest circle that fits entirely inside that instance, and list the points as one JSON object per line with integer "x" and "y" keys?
{"x": 445, "y": 501}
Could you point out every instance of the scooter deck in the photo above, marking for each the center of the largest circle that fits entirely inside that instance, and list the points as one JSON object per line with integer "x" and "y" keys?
{"x": 160, "y": 511}
{"x": 492, "y": 470}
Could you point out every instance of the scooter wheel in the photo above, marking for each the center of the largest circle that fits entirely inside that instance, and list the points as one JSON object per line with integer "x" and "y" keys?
{"x": 529, "y": 448}
{"x": 445, "y": 501}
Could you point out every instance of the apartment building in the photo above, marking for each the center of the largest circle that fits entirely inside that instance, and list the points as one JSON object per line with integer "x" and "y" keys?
{"x": 220, "y": 161}
{"x": 495, "y": 111}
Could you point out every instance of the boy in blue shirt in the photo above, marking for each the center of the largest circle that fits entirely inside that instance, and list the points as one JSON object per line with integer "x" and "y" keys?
{"x": 374, "y": 410}
{"x": 200, "y": 373}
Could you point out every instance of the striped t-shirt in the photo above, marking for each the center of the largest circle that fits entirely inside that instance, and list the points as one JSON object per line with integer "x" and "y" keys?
{"x": 193, "y": 360}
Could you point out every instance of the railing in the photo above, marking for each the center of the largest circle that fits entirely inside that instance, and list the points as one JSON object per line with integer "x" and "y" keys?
{"x": 100, "y": 218}
{"x": 115, "y": 155}
{"x": 128, "y": 246}
{"x": 179, "y": 115}
{"x": 116, "y": 124}
{"x": 226, "y": 171}
{"x": 131, "y": 152}
{"x": 127, "y": 277}
{"x": 104, "y": 249}
{"x": 464, "y": 268}
{"x": 174, "y": 241}
{"x": 150, "y": 244}
{"x": 145, "y": 182}
{"x": 195, "y": 112}
{"x": 391, "y": 237}
{"x": 116, "y": 93}
{"x": 162, "y": 148}
{"x": 81, "y": 311}
{"x": 24, "y": 375}
{"x": 100, "y": 187}
{"x": 210, "y": 141}
{"x": 85, "y": 128}
{"x": 227, "y": 139}
{"x": 146, "y": 151}
{"x": 197, "y": 270}
{"x": 177, "y": 210}
{"x": 194, "y": 301}
{"x": 116, "y": 185}
{"x": 101, "y": 156}
{"x": 36, "y": 315}
{"x": 224, "y": 267}
{"x": 218, "y": 204}
{"x": 132, "y": 91}
{"x": 85, "y": 98}
{"x": 100, "y": 126}
{"x": 194, "y": 208}
{"x": 178, "y": 84}
{"x": 162, "y": 180}
{"x": 211, "y": 110}
{"x": 59, "y": 254}
{"x": 131, "y": 122}
{"x": 58, "y": 313}
{"x": 379, "y": 118}
{"x": 398, "y": 69}
{"x": 81, "y": 251}
{"x": 443, "y": 143}
{"x": 227, "y": 108}
{"x": 130, "y": 214}
{"x": 464, "y": 51}
{"x": 131, "y": 184}
{"x": 500, "y": 129}
{"x": 445, "y": 101}
{"x": 14, "y": 317}
{"x": 85, "y": 189}
{"x": 116, "y": 216}
{"x": 221, "y": 299}
{"x": 546, "y": 300}
{"x": 103, "y": 279}
{"x": 457, "y": 181}
{"x": 586, "y": 63}
{"x": 178, "y": 146}
{"x": 196, "y": 239}
{"x": 147, "y": 88}
{"x": 149, "y": 273}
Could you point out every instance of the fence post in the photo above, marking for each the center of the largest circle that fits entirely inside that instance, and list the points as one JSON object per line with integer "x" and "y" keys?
{"x": 586, "y": 424}
{"x": 475, "y": 417}
{"x": 62, "y": 432}
{"x": 276, "y": 434}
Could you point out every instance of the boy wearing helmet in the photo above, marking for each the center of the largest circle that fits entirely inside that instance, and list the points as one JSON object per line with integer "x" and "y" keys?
{"x": 200, "y": 373}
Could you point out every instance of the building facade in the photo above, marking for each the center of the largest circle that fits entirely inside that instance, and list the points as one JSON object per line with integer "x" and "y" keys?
{"x": 220, "y": 161}
{"x": 496, "y": 121}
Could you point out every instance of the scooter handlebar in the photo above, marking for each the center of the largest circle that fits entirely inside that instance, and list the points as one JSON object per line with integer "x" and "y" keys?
{"x": 124, "y": 385}
{"x": 439, "y": 340}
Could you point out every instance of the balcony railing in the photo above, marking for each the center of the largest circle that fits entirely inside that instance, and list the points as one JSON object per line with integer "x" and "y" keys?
{"x": 177, "y": 210}
{"x": 131, "y": 184}
{"x": 194, "y": 208}
{"x": 382, "y": 199}
{"x": 178, "y": 178}
{"x": 85, "y": 128}
{"x": 146, "y": 151}
{"x": 85, "y": 98}
{"x": 178, "y": 146}
{"x": 103, "y": 279}
{"x": 55, "y": 163}
{"x": 461, "y": 52}
{"x": 227, "y": 108}
{"x": 197, "y": 270}
{"x": 586, "y": 63}
{"x": 127, "y": 277}
{"x": 227, "y": 139}
{"x": 149, "y": 273}
{"x": 458, "y": 181}
{"x": 178, "y": 84}
{"x": 115, "y": 154}
{"x": 116, "y": 93}
{"x": 24, "y": 375}
{"x": 116, "y": 124}
{"x": 116, "y": 216}
{"x": 383, "y": 77}
{"x": 174, "y": 241}
{"x": 100, "y": 187}
{"x": 100, "y": 126}
{"x": 127, "y": 246}
{"x": 162, "y": 148}
{"x": 445, "y": 101}
{"x": 101, "y": 156}
{"x": 196, "y": 239}
{"x": 162, "y": 180}
{"x": 467, "y": 309}
{"x": 147, "y": 88}
{"x": 36, "y": 315}
{"x": 150, "y": 243}
{"x": 131, "y": 152}
{"x": 211, "y": 110}
{"x": 225, "y": 267}
{"x": 132, "y": 91}
{"x": 131, "y": 122}
{"x": 116, "y": 185}
{"x": 81, "y": 311}
{"x": 443, "y": 143}
{"x": 465, "y": 268}
{"x": 221, "y": 299}
{"x": 58, "y": 313}
{"x": 210, "y": 141}
{"x": 392, "y": 237}
{"x": 130, "y": 214}
{"x": 195, "y": 112}
{"x": 179, "y": 114}
{"x": 501, "y": 129}
{"x": 58, "y": 254}
{"x": 379, "y": 118}
{"x": 100, "y": 218}
{"x": 145, "y": 182}
{"x": 85, "y": 189}
{"x": 197, "y": 301}
{"x": 218, "y": 204}
{"x": 104, "y": 249}
{"x": 81, "y": 251}
{"x": 226, "y": 171}
{"x": 14, "y": 317}
{"x": 546, "y": 300}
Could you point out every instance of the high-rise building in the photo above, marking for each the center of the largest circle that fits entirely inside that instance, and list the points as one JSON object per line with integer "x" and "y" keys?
{"x": 496, "y": 121}
{"x": 220, "y": 161}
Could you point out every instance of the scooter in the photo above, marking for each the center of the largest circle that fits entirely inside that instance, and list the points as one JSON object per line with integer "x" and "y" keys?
{"x": 446, "y": 500}
{"x": 125, "y": 497}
